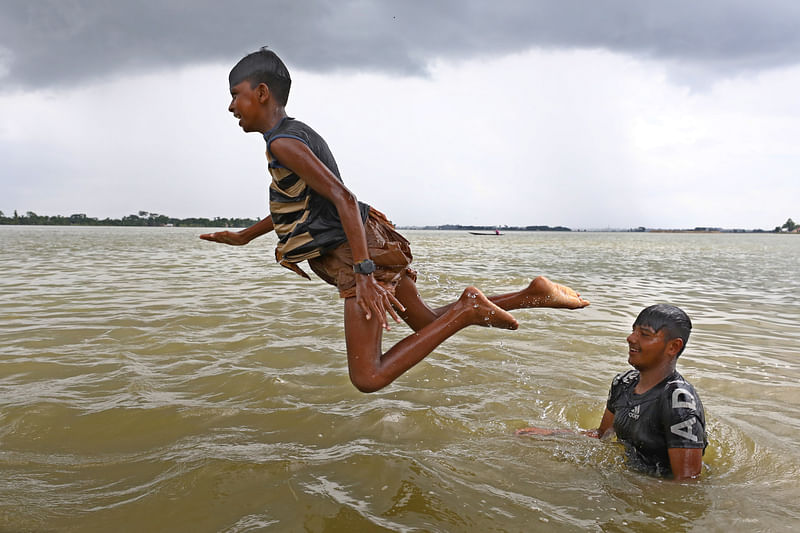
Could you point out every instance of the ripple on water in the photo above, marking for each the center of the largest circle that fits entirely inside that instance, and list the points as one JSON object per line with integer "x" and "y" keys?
{"x": 152, "y": 381}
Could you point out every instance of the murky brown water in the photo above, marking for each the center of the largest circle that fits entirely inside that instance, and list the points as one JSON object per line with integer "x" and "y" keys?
{"x": 150, "y": 381}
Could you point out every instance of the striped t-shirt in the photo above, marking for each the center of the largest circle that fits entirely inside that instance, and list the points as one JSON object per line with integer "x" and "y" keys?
{"x": 307, "y": 224}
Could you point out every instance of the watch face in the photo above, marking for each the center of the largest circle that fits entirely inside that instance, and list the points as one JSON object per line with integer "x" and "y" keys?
{"x": 364, "y": 267}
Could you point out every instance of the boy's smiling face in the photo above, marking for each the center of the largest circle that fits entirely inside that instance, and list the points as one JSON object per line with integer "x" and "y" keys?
{"x": 246, "y": 105}
{"x": 648, "y": 348}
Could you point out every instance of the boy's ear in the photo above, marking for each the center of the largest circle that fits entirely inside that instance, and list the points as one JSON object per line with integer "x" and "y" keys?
{"x": 674, "y": 346}
{"x": 262, "y": 92}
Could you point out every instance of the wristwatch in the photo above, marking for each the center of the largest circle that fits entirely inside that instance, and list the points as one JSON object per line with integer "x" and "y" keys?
{"x": 364, "y": 267}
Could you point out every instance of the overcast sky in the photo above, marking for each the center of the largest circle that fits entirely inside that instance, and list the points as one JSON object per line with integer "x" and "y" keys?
{"x": 587, "y": 114}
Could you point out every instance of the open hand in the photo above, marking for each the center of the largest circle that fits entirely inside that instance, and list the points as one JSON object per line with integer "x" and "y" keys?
{"x": 233, "y": 238}
{"x": 374, "y": 299}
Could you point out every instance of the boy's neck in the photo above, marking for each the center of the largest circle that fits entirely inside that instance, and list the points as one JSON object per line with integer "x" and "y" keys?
{"x": 652, "y": 377}
{"x": 274, "y": 117}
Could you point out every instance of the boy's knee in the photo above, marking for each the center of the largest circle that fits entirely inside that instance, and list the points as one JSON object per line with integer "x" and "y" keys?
{"x": 366, "y": 383}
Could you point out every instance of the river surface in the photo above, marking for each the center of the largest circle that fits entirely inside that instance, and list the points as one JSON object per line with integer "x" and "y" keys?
{"x": 151, "y": 381}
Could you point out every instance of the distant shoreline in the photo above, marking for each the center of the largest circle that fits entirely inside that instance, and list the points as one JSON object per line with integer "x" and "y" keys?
{"x": 145, "y": 219}
{"x": 451, "y": 227}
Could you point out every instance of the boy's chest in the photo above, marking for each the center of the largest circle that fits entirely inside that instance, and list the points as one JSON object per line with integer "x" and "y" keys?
{"x": 637, "y": 419}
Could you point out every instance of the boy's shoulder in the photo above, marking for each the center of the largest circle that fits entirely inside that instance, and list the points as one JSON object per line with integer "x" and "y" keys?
{"x": 290, "y": 126}
{"x": 676, "y": 385}
{"x": 626, "y": 378}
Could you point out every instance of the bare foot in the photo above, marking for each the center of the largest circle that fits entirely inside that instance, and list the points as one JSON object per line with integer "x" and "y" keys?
{"x": 483, "y": 312}
{"x": 544, "y": 293}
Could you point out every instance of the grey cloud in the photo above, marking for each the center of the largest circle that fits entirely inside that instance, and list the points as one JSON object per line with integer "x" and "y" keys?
{"x": 65, "y": 42}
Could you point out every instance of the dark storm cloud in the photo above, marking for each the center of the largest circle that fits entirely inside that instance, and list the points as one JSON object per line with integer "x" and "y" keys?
{"x": 54, "y": 42}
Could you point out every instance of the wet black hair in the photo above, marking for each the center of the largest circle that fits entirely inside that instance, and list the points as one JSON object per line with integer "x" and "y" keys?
{"x": 673, "y": 320}
{"x": 263, "y": 66}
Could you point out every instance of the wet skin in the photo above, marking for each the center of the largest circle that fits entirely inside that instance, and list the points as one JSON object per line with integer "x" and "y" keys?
{"x": 365, "y": 314}
{"x": 654, "y": 357}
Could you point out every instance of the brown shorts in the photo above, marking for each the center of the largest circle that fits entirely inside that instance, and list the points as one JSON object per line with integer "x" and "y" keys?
{"x": 389, "y": 250}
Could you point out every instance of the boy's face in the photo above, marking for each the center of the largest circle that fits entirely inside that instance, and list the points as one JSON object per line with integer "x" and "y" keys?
{"x": 246, "y": 106}
{"x": 648, "y": 348}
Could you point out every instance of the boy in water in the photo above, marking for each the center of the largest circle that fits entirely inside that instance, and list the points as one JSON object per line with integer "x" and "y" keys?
{"x": 348, "y": 243}
{"x": 655, "y": 413}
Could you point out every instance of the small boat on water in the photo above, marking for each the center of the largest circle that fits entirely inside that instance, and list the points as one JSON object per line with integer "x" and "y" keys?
{"x": 493, "y": 234}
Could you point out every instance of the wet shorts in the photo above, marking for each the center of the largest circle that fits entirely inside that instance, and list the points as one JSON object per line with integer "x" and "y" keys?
{"x": 389, "y": 250}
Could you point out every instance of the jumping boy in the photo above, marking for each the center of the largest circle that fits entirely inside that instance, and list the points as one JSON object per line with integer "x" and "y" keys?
{"x": 348, "y": 243}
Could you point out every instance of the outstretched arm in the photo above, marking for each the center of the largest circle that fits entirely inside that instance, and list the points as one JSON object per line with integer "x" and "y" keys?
{"x": 606, "y": 427}
{"x": 239, "y": 238}
{"x": 373, "y": 299}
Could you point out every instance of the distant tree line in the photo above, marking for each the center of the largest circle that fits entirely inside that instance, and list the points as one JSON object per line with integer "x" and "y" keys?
{"x": 490, "y": 228}
{"x": 142, "y": 219}
{"x": 789, "y": 226}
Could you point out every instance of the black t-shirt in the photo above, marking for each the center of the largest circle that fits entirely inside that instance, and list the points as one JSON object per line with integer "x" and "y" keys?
{"x": 670, "y": 415}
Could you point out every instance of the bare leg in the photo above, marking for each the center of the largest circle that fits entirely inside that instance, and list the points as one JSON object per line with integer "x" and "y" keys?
{"x": 541, "y": 292}
{"x": 370, "y": 370}
{"x": 417, "y": 313}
